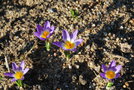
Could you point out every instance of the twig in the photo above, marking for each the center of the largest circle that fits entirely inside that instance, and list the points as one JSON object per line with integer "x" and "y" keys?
{"x": 7, "y": 65}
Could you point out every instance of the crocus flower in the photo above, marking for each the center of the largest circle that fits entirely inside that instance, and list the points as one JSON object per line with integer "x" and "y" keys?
{"x": 70, "y": 41}
{"x": 19, "y": 71}
{"x": 112, "y": 71}
{"x": 44, "y": 32}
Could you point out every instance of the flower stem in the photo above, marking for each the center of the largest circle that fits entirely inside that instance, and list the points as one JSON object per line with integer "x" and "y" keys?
{"x": 67, "y": 54}
{"x": 47, "y": 45}
{"x": 0, "y": 77}
{"x": 109, "y": 84}
{"x": 19, "y": 83}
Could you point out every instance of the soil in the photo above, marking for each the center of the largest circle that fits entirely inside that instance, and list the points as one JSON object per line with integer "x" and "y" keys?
{"x": 107, "y": 30}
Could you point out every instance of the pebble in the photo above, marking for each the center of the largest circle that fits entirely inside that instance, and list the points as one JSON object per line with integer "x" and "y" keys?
{"x": 76, "y": 56}
{"x": 132, "y": 21}
{"x": 111, "y": 88}
{"x": 69, "y": 66}
{"x": 93, "y": 25}
{"x": 77, "y": 66}
{"x": 87, "y": 47}
{"x": 81, "y": 80}
{"x": 121, "y": 27}
{"x": 117, "y": 39}
{"x": 50, "y": 10}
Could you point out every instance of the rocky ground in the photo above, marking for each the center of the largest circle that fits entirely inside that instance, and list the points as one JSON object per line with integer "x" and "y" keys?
{"x": 106, "y": 26}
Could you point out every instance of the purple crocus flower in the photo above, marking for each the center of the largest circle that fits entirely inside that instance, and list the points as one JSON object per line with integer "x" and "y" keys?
{"x": 70, "y": 41}
{"x": 44, "y": 32}
{"x": 20, "y": 71}
{"x": 112, "y": 71}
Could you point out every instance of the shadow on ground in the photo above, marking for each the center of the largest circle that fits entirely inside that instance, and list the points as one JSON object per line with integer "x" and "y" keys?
{"x": 48, "y": 72}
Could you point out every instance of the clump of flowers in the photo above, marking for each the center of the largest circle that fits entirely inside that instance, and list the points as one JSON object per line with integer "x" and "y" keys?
{"x": 111, "y": 72}
{"x": 19, "y": 72}
{"x": 44, "y": 33}
{"x": 70, "y": 41}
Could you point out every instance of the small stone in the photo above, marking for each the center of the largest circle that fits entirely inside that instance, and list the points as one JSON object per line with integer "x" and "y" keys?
{"x": 110, "y": 88}
{"x": 93, "y": 25}
{"x": 77, "y": 66}
{"x": 52, "y": 10}
{"x": 87, "y": 47}
{"x": 69, "y": 66}
{"x": 76, "y": 56}
{"x": 81, "y": 80}
{"x": 117, "y": 39}
{"x": 132, "y": 21}
{"x": 126, "y": 84}
{"x": 74, "y": 78}
{"x": 121, "y": 27}
{"x": 55, "y": 54}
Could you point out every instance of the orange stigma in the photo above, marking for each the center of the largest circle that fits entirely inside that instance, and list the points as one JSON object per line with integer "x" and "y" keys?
{"x": 110, "y": 74}
{"x": 18, "y": 75}
{"x": 45, "y": 34}
{"x": 69, "y": 45}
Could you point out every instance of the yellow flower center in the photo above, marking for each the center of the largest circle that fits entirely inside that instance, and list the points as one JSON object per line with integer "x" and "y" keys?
{"x": 110, "y": 74}
{"x": 45, "y": 34}
{"x": 69, "y": 45}
{"x": 18, "y": 75}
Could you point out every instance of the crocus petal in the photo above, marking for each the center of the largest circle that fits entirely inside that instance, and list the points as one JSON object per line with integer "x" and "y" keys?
{"x": 74, "y": 49}
{"x": 112, "y": 64}
{"x": 74, "y": 35}
{"x": 52, "y": 29}
{"x": 102, "y": 75}
{"x": 118, "y": 68}
{"x": 112, "y": 68}
{"x": 104, "y": 68}
{"x": 47, "y": 24}
{"x": 22, "y": 65}
{"x": 39, "y": 28}
{"x": 49, "y": 30}
{"x": 13, "y": 79}
{"x": 42, "y": 38}
{"x": 14, "y": 66}
{"x": 25, "y": 71}
{"x": 19, "y": 69}
{"x": 9, "y": 74}
{"x": 59, "y": 44}
{"x": 37, "y": 34}
{"x": 49, "y": 35}
{"x": 77, "y": 42}
{"x": 117, "y": 75}
{"x": 65, "y": 35}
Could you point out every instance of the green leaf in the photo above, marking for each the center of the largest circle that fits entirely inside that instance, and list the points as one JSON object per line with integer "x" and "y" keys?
{"x": 110, "y": 84}
{"x": 74, "y": 13}
{"x": 19, "y": 83}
